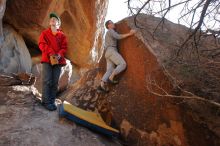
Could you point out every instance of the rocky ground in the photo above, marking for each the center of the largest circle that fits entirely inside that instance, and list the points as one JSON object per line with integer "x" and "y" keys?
{"x": 23, "y": 121}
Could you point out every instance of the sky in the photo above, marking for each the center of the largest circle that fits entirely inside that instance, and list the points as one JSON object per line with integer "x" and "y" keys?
{"x": 117, "y": 10}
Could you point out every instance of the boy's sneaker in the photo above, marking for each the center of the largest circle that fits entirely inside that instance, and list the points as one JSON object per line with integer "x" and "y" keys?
{"x": 50, "y": 107}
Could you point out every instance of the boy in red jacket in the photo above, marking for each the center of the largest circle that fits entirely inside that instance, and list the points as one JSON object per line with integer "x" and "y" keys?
{"x": 53, "y": 44}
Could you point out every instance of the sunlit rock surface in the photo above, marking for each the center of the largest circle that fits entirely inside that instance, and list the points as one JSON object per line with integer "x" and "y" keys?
{"x": 82, "y": 22}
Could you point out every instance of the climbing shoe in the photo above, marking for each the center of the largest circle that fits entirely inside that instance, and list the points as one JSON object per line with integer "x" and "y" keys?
{"x": 102, "y": 89}
{"x": 114, "y": 82}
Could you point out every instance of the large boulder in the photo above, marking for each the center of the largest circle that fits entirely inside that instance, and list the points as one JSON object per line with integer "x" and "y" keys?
{"x": 146, "y": 105}
{"x": 15, "y": 56}
{"x": 14, "y": 53}
{"x": 193, "y": 67}
{"x": 82, "y": 22}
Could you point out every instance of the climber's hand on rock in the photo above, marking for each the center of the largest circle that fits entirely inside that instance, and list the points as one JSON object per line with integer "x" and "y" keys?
{"x": 132, "y": 31}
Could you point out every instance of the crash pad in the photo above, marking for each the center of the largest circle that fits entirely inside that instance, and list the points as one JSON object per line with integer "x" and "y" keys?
{"x": 88, "y": 119}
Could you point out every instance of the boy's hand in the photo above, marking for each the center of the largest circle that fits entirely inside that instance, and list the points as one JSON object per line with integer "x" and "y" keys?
{"x": 54, "y": 60}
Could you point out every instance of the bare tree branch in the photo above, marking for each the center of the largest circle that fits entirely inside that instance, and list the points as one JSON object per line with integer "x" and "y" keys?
{"x": 200, "y": 22}
{"x": 135, "y": 18}
{"x": 205, "y": 8}
{"x": 203, "y": 19}
{"x": 154, "y": 88}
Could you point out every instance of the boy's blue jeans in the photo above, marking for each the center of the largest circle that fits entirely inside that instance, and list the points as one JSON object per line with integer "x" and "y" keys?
{"x": 50, "y": 79}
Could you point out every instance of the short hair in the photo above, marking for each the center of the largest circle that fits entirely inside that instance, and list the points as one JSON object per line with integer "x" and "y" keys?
{"x": 107, "y": 23}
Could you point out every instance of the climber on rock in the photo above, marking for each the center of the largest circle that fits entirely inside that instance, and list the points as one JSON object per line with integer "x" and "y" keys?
{"x": 53, "y": 44}
{"x": 115, "y": 63}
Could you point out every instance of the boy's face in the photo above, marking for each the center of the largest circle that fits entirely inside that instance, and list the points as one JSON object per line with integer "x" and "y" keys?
{"x": 53, "y": 22}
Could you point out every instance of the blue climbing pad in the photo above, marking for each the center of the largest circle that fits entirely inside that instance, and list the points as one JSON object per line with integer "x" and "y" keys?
{"x": 88, "y": 119}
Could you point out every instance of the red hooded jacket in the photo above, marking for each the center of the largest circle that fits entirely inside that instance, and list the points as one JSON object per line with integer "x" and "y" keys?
{"x": 50, "y": 44}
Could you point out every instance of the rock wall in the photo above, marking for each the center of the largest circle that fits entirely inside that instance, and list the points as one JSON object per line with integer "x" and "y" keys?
{"x": 162, "y": 119}
{"x": 15, "y": 57}
{"x": 135, "y": 105}
{"x": 82, "y": 22}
